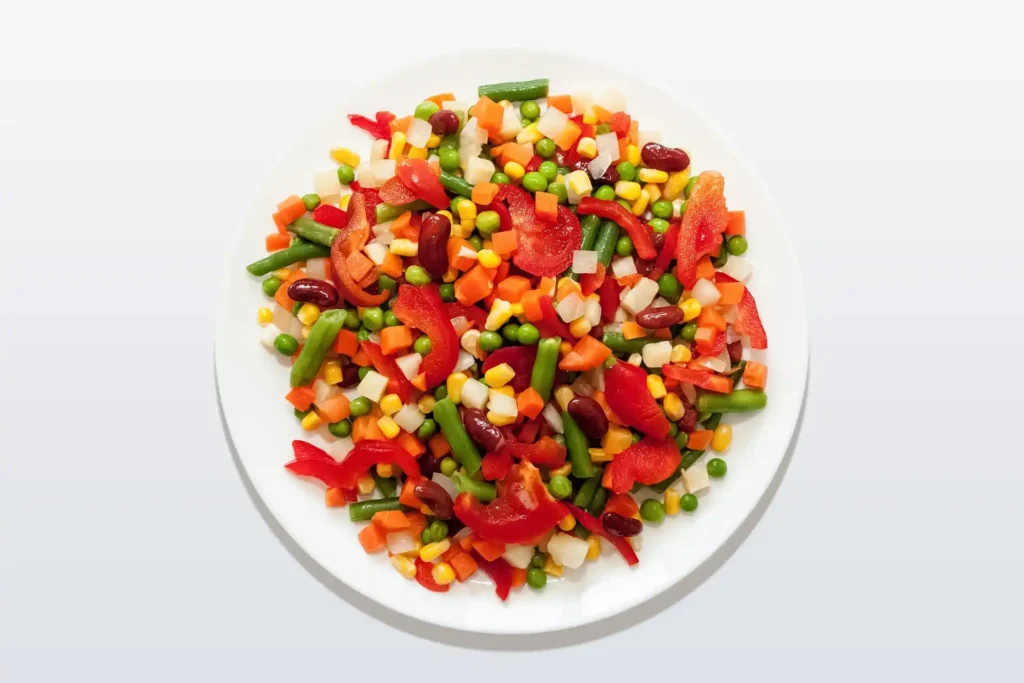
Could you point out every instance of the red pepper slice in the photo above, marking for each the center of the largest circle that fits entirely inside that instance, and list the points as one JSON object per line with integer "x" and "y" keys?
{"x": 591, "y": 282}
{"x": 304, "y": 450}
{"x": 425, "y": 577}
{"x": 500, "y": 572}
{"x": 346, "y": 473}
{"x": 620, "y": 124}
{"x": 613, "y": 211}
{"x": 748, "y": 321}
{"x": 395, "y": 193}
{"x": 379, "y": 129}
{"x": 534, "y": 164}
{"x": 523, "y": 511}
{"x": 542, "y": 250}
{"x": 625, "y": 389}
{"x": 520, "y": 358}
{"x": 609, "y": 293}
{"x": 495, "y": 466}
{"x": 648, "y": 461}
{"x": 698, "y": 378}
{"x": 398, "y": 383}
{"x": 594, "y": 526}
{"x": 545, "y": 453}
{"x": 371, "y": 198}
{"x": 331, "y": 216}
{"x": 420, "y": 178}
{"x": 551, "y": 325}
{"x": 476, "y": 316}
{"x": 351, "y": 239}
{"x": 667, "y": 253}
{"x": 422, "y": 309}
{"x": 703, "y": 223}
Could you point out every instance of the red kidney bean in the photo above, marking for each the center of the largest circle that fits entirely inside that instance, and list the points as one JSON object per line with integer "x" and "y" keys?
{"x": 610, "y": 177}
{"x": 444, "y": 122}
{"x": 433, "y": 251}
{"x": 657, "y": 317}
{"x": 434, "y": 496}
{"x": 319, "y": 292}
{"x": 620, "y": 525}
{"x": 349, "y": 376}
{"x": 658, "y": 240}
{"x": 689, "y": 420}
{"x": 597, "y": 331}
{"x": 482, "y": 431}
{"x": 735, "y": 351}
{"x": 669, "y": 159}
{"x": 429, "y": 464}
{"x": 588, "y": 416}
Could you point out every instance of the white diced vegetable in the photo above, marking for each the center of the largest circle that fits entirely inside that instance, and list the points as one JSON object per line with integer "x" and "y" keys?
{"x": 418, "y": 133}
{"x": 479, "y": 170}
{"x": 470, "y": 341}
{"x": 595, "y": 377}
{"x": 465, "y": 361}
{"x": 714, "y": 363}
{"x": 316, "y": 268}
{"x": 696, "y": 478}
{"x": 582, "y": 387}
{"x": 376, "y": 251}
{"x": 677, "y": 208}
{"x": 409, "y": 365}
{"x": 582, "y": 100}
{"x": 474, "y": 394}
{"x": 456, "y": 106}
{"x": 383, "y": 170}
{"x": 365, "y": 177}
{"x": 326, "y": 184}
{"x": 472, "y": 133}
{"x": 382, "y": 228}
{"x": 635, "y": 359}
{"x": 283, "y": 319}
{"x": 324, "y": 392}
{"x": 621, "y": 315}
{"x": 518, "y": 556}
{"x": 268, "y": 335}
{"x": 571, "y": 307}
{"x": 621, "y": 267}
{"x": 466, "y": 252}
{"x": 608, "y": 143}
{"x": 731, "y": 315}
{"x": 553, "y": 418}
{"x": 552, "y": 123}
{"x": 400, "y": 542}
{"x": 592, "y": 311}
{"x": 613, "y": 100}
{"x": 645, "y": 136}
{"x": 738, "y": 268}
{"x": 597, "y": 167}
{"x": 446, "y": 483}
{"x": 378, "y": 151}
{"x": 510, "y": 124}
{"x": 584, "y": 261}
{"x": 641, "y": 296}
{"x": 501, "y": 404}
{"x": 409, "y": 418}
{"x": 660, "y": 302}
{"x": 706, "y": 293}
{"x": 373, "y": 386}
{"x": 567, "y": 550}
{"x": 656, "y": 355}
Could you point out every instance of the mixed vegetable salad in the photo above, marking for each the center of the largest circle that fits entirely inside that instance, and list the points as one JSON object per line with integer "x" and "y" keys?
{"x": 526, "y": 314}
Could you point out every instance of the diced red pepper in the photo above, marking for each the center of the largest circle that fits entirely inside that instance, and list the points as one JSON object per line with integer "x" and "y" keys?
{"x": 523, "y": 511}
{"x": 395, "y": 193}
{"x": 534, "y": 164}
{"x": 609, "y": 293}
{"x": 550, "y": 325}
{"x": 594, "y": 526}
{"x": 421, "y": 308}
{"x": 519, "y": 358}
{"x": 352, "y": 239}
{"x": 543, "y": 250}
{"x": 425, "y": 577}
{"x": 545, "y": 453}
{"x": 591, "y": 282}
{"x": 398, "y": 383}
{"x": 619, "y": 124}
{"x": 500, "y": 572}
{"x": 420, "y": 178}
{"x": 476, "y": 316}
{"x": 495, "y": 466}
{"x": 627, "y": 395}
{"x": 748, "y": 321}
{"x": 379, "y": 129}
{"x": 667, "y": 253}
{"x": 648, "y": 461}
{"x": 704, "y": 222}
{"x": 346, "y": 473}
{"x": 613, "y": 211}
{"x": 698, "y": 378}
{"x": 371, "y": 198}
{"x": 331, "y": 216}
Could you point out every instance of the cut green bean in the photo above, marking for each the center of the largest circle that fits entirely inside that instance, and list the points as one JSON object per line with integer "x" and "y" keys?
{"x": 311, "y": 231}
{"x": 712, "y": 421}
{"x": 737, "y": 373}
{"x": 387, "y": 485}
{"x": 365, "y": 510}
{"x": 576, "y": 444}
{"x": 387, "y": 212}
{"x": 481, "y": 490}
{"x": 515, "y": 91}
{"x": 585, "y": 496}
{"x": 454, "y": 183}
{"x": 600, "y": 498}
{"x": 286, "y": 257}
{"x": 689, "y": 458}
{"x": 463, "y": 449}
{"x": 739, "y": 401}
{"x": 543, "y": 376}
{"x": 604, "y": 245}
{"x": 619, "y": 344}
{"x": 320, "y": 341}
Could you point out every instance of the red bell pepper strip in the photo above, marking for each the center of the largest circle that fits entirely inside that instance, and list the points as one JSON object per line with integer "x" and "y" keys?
{"x": 398, "y": 383}
{"x": 542, "y": 250}
{"x": 705, "y": 220}
{"x": 748, "y": 321}
{"x": 594, "y": 526}
{"x": 648, "y": 461}
{"x": 534, "y": 164}
{"x": 628, "y": 397}
{"x": 371, "y": 199}
{"x": 551, "y": 325}
{"x": 422, "y": 309}
{"x": 500, "y": 572}
{"x": 417, "y": 175}
{"x": 545, "y": 453}
{"x": 395, "y": 193}
{"x": 613, "y": 211}
{"x": 379, "y": 129}
{"x": 609, "y": 293}
{"x": 425, "y": 577}
{"x": 351, "y": 239}
{"x": 346, "y": 473}
{"x": 698, "y": 378}
{"x": 495, "y": 466}
{"x": 331, "y": 216}
{"x": 521, "y": 360}
{"x": 476, "y": 316}
{"x": 304, "y": 450}
{"x": 523, "y": 511}
{"x": 591, "y": 282}
{"x": 667, "y": 253}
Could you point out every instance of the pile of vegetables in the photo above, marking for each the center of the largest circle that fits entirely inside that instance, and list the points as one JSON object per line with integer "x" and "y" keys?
{"x": 519, "y": 323}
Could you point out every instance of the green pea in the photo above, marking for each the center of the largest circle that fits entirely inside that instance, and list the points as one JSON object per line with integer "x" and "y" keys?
{"x": 373, "y": 318}
{"x": 422, "y": 345}
{"x": 424, "y": 110}
{"x": 499, "y": 178}
{"x": 682, "y": 208}
{"x": 662, "y": 209}
{"x": 558, "y": 189}
{"x": 359, "y": 406}
{"x": 548, "y": 169}
{"x": 605, "y": 192}
{"x": 286, "y": 344}
{"x": 682, "y": 438}
{"x": 441, "y": 393}
{"x": 351, "y": 320}
{"x": 417, "y": 276}
{"x": 627, "y": 171}
{"x": 296, "y": 307}
{"x": 688, "y": 502}
{"x": 300, "y": 415}
{"x": 602, "y": 128}
{"x": 636, "y": 437}
{"x": 391, "y": 320}
{"x": 271, "y": 285}
{"x": 689, "y": 331}
{"x": 438, "y": 530}
{"x": 534, "y": 182}
{"x": 544, "y": 148}
{"x": 560, "y": 487}
{"x": 447, "y": 291}
{"x": 363, "y": 334}
{"x": 659, "y": 225}
{"x": 489, "y": 341}
{"x": 455, "y": 205}
{"x": 448, "y": 158}
{"x": 559, "y": 439}
{"x": 311, "y": 201}
{"x": 529, "y": 109}
{"x": 652, "y": 510}
{"x": 509, "y": 332}
{"x": 737, "y": 245}
{"x": 448, "y": 466}
{"x": 564, "y": 170}
{"x": 624, "y": 247}
{"x": 427, "y": 429}
{"x": 475, "y": 241}
{"x": 363, "y": 372}
{"x": 624, "y": 204}
{"x": 340, "y": 429}
{"x": 487, "y": 222}
{"x": 609, "y": 362}
{"x": 690, "y": 184}
{"x": 346, "y": 174}
{"x": 386, "y": 283}
{"x": 449, "y": 142}
{"x": 536, "y": 578}
{"x": 538, "y": 559}
{"x": 717, "y": 468}
{"x": 528, "y": 334}
{"x": 669, "y": 287}
{"x": 425, "y": 536}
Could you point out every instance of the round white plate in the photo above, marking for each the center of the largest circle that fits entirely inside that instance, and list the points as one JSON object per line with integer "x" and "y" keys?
{"x": 252, "y": 382}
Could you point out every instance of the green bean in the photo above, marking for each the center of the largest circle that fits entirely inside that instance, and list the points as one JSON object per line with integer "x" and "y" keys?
{"x": 481, "y": 490}
{"x": 387, "y": 212}
{"x": 364, "y": 511}
{"x": 604, "y": 245}
{"x": 661, "y": 486}
{"x": 689, "y": 458}
{"x": 739, "y": 401}
{"x": 515, "y": 91}
{"x": 589, "y": 226}
{"x": 387, "y": 485}
{"x": 585, "y": 496}
{"x": 543, "y": 376}
{"x": 576, "y": 444}
{"x": 737, "y": 373}
{"x": 454, "y": 183}
{"x": 286, "y": 257}
{"x": 320, "y": 341}
{"x": 619, "y": 344}
{"x": 463, "y": 448}
{"x": 311, "y": 231}
{"x": 713, "y": 421}
{"x": 600, "y": 498}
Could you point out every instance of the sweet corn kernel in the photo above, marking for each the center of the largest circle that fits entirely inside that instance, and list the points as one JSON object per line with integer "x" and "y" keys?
{"x": 499, "y": 375}
{"x": 580, "y": 327}
{"x": 681, "y": 354}
{"x": 366, "y": 485}
{"x": 343, "y": 202}
{"x": 306, "y": 329}
{"x": 345, "y": 156}
{"x": 426, "y": 404}
{"x": 385, "y": 469}
{"x": 565, "y": 470}
{"x": 589, "y": 116}
{"x": 722, "y": 437}
{"x": 517, "y": 310}
{"x": 600, "y": 455}
{"x": 404, "y": 247}
{"x": 691, "y": 309}
{"x": 311, "y": 421}
{"x": 654, "y": 191}
{"x": 332, "y": 372}
{"x": 633, "y": 154}
{"x": 282, "y": 274}
{"x": 390, "y": 404}
{"x": 404, "y": 565}
{"x": 432, "y": 551}
{"x": 450, "y": 275}
{"x": 417, "y": 152}
{"x": 593, "y": 547}
{"x": 466, "y": 210}
{"x": 673, "y": 406}
{"x": 564, "y": 348}
{"x": 641, "y": 203}
{"x": 616, "y": 440}
{"x": 264, "y": 316}
{"x": 587, "y": 148}
{"x": 563, "y": 395}
{"x": 389, "y": 427}
{"x": 499, "y": 420}
{"x": 308, "y": 314}
{"x": 628, "y": 190}
{"x": 568, "y": 523}
{"x": 656, "y": 386}
{"x": 488, "y": 259}
{"x": 530, "y": 134}
{"x": 504, "y": 391}
{"x": 559, "y": 178}
{"x": 651, "y": 175}
{"x": 442, "y": 573}
{"x": 397, "y": 145}
{"x": 676, "y": 184}
{"x": 463, "y": 229}
{"x": 514, "y": 170}
{"x": 552, "y": 567}
{"x": 671, "y": 502}
{"x": 433, "y": 141}
{"x": 454, "y": 385}
{"x": 579, "y": 182}
{"x": 447, "y": 214}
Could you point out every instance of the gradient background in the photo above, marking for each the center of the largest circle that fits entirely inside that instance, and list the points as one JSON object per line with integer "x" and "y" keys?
{"x": 129, "y": 549}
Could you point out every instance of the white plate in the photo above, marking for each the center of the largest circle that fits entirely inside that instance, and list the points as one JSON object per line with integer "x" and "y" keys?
{"x": 252, "y": 382}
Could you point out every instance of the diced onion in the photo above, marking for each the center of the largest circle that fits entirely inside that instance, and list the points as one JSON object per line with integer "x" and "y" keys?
{"x": 365, "y": 177}
{"x": 510, "y": 124}
{"x": 635, "y": 359}
{"x": 600, "y": 164}
{"x": 373, "y": 385}
{"x": 584, "y": 261}
{"x": 324, "y": 392}
{"x": 383, "y": 170}
{"x": 553, "y": 418}
{"x": 608, "y": 143}
{"x": 567, "y": 550}
{"x": 621, "y": 267}
{"x": 409, "y": 365}
{"x": 409, "y": 418}
{"x": 376, "y": 251}
{"x": 502, "y": 404}
{"x": 373, "y": 337}
{"x": 552, "y": 123}
{"x": 731, "y": 315}
{"x": 378, "y": 151}
{"x": 706, "y": 293}
{"x": 326, "y": 184}
{"x": 713, "y": 363}
{"x": 418, "y": 133}
{"x": 456, "y": 106}
{"x": 593, "y": 311}
{"x": 382, "y": 228}
{"x": 316, "y": 268}
{"x": 582, "y": 387}
{"x": 474, "y": 394}
{"x": 613, "y": 100}
{"x": 641, "y": 296}
{"x": 282, "y": 318}
{"x": 582, "y": 100}
{"x": 465, "y": 360}
{"x": 595, "y": 377}
{"x": 738, "y": 268}
{"x": 658, "y": 354}
{"x": 400, "y": 542}
{"x": 689, "y": 392}
{"x": 460, "y": 324}
{"x": 268, "y": 335}
{"x": 478, "y": 170}
{"x": 571, "y": 307}
{"x": 518, "y": 556}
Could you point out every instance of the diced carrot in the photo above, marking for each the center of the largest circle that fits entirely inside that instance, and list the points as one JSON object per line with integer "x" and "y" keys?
{"x": 365, "y": 427}
{"x": 504, "y": 243}
{"x": 622, "y": 503}
{"x": 282, "y": 227}
{"x": 489, "y": 550}
{"x": 586, "y": 355}
{"x": 602, "y": 114}
{"x": 411, "y": 444}
{"x": 441, "y": 98}
{"x": 705, "y": 270}
{"x": 391, "y": 520}
{"x": 296, "y": 275}
{"x": 291, "y": 209}
{"x": 334, "y": 498}
{"x": 705, "y": 338}
{"x": 484, "y": 193}
{"x": 567, "y": 286}
{"x": 562, "y": 103}
{"x": 358, "y": 265}
{"x": 301, "y": 397}
{"x": 346, "y": 343}
{"x": 546, "y": 206}
{"x": 530, "y": 403}
{"x": 518, "y": 577}
{"x": 361, "y": 359}
{"x": 334, "y": 409}
{"x": 417, "y": 521}
{"x": 501, "y": 272}
{"x": 407, "y": 497}
{"x": 452, "y": 551}
{"x": 629, "y": 280}
{"x": 420, "y": 382}
{"x": 401, "y": 224}
{"x": 709, "y": 317}
{"x": 372, "y": 538}
{"x": 546, "y": 286}
{"x": 328, "y": 270}
{"x": 623, "y": 147}
{"x": 531, "y": 305}
{"x": 699, "y": 440}
{"x": 608, "y": 412}
{"x": 755, "y": 375}
{"x": 496, "y": 153}
{"x": 282, "y": 298}
{"x": 520, "y": 154}
{"x": 276, "y": 241}
{"x": 568, "y": 136}
{"x": 512, "y": 288}
{"x": 489, "y": 114}
{"x": 474, "y": 285}
{"x": 634, "y": 132}
{"x": 395, "y": 338}
{"x": 401, "y": 125}
{"x": 606, "y": 481}
{"x": 464, "y": 565}
{"x": 458, "y": 260}
{"x": 737, "y": 223}
{"x": 392, "y": 265}
{"x": 630, "y": 330}
{"x": 466, "y": 542}
{"x": 439, "y": 446}
{"x": 731, "y": 293}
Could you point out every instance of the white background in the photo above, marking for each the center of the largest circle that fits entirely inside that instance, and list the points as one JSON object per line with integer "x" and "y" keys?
{"x": 129, "y": 549}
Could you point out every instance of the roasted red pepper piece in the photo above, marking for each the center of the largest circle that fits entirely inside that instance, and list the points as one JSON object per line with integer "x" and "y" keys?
{"x": 625, "y": 389}
{"x": 594, "y": 526}
{"x": 476, "y": 316}
{"x": 609, "y": 293}
{"x": 500, "y": 572}
{"x": 346, "y": 473}
{"x": 425, "y": 577}
{"x": 534, "y": 164}
{"x": 520, "y": 358}
{"x": 352, "y": 238}
{"x": 303, "y": 450}
{"x": 613, "y": 211}
{"x": 523, "y": 511}
{"x": 417, "y": 175}
{"x": 371, "y": 198}
{"x": 398, "y": 383}
{"x": 545, "y": 453}
{"x": 331, "y": 216}
{"x": 703, "y": 224}
{"x": 379, "y": 129}
{"x": 395, "y": 193}
{"x": 748, "y": 321}
{"x": 542, "y": 250}
{"x": 591, "y": 282}
{"x": 704, "y": 379}
{"x": 551, "y": 325}
{"x": 648, "y": 461}
{"x": 421, "y": 308}
{"x": 667, "y": 253}
{"x": 495, "y": 466}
